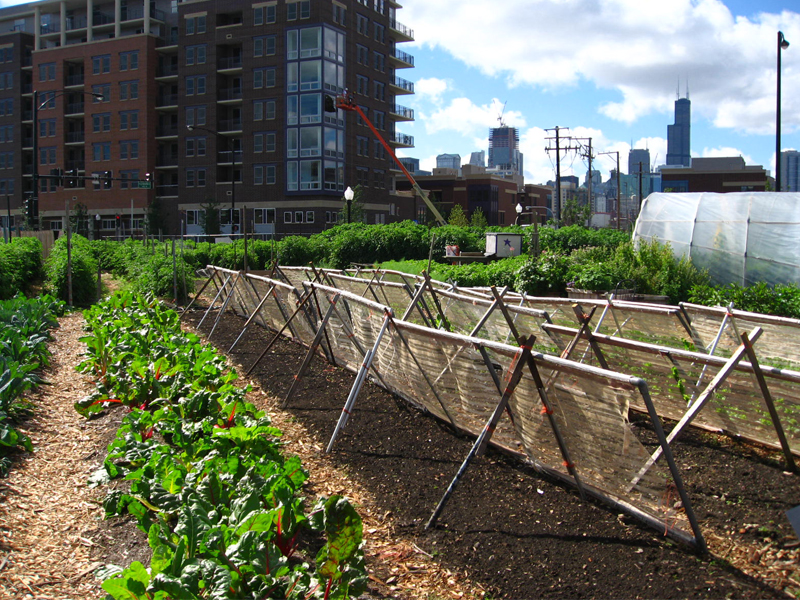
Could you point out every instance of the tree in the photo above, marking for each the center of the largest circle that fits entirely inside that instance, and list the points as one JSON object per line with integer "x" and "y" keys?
{"x": 478, "y": 219}
{"x": 156, "y": 217}
{"x": 457, "y": 217}
{"x": 358, "y": 213}
{"x": 575, "y": 214}
{"x": 209, "y": 217}
{"x": 79, "y": 220}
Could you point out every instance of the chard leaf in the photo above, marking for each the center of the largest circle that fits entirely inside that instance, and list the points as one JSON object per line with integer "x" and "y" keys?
{"x": 130, "y": 584}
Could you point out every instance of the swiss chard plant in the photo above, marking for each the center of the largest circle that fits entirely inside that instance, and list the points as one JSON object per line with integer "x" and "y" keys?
{"x": 207, "y": 480}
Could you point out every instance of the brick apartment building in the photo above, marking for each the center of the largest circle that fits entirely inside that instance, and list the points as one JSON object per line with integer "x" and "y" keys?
{"x": 177, "y": 104}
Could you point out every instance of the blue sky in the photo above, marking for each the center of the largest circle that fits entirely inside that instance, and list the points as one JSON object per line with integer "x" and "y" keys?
{"x": 606, "y": 69}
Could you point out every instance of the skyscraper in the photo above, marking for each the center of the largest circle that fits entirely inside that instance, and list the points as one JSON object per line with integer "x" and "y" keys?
{"x": 790, "y": 171}
{"x": 504, "y": 151}
{"x": 448, "y": 161}
{"x": 478, "y": 158}
{"x": 637, "y": 157}
{"x": 679, "y": 134}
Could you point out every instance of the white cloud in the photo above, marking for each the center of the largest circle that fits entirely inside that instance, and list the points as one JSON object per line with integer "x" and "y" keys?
{"x": 725, "y": 152}
{"x": 431, "y": 88}
{"x": 637, "y": 49}
{"x": 463, "y": 116}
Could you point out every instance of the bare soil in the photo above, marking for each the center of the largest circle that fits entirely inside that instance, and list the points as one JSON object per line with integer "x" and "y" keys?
{"x": 518, "y": 535}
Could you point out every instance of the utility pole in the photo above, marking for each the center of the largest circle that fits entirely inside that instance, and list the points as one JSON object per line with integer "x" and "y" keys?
{"x": 557, "y": 203}
{"x": 558, "y": 149}
{"x": 640, "y": 188}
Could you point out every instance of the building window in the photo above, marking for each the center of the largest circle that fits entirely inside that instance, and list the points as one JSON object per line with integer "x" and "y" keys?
{"x": 129, "y": 90}
{"x": 7, "y": 107}
{"x": 128, "y": 119}
{"x": 362, "y": 24}
{"x": 196, "y": 24}
{"x": 196, "y": 55}
{"x": 310, "y": 174}
{"x": 380, "y": 33}
{"x": 47, "y": 156}
{"x": 311, "y": 75}
{"x": 195, "y": 115}
{"x": 379, "y": 179}
{"x": 263, "y": 216}
{"x": 380, "y": 91}
{"x": 47, "y": 72}
{"x": 311, "y": 42}
{"x": 310, "y": 141}
{"x": 195, "y": 146}
{"x": 264, "y": 174}
{"x": 129, "y": 61}
{"x": 362, "y": 146}
{"x": 263, "y": 110}
{"x": 195, "y": 178}
{"x": 362, "y": 55}
{"x": 339, "y": 14}
{"x": 362, "y": 176}
{"x": 362, "y": 85}
{"x": 101, "y": 151}
{"x": 101, "y": 64}
{"x": 129, "y": 179}
{"x": 101, "y": 122}
{"x": 47, "y": 128}
{"x": 7, "y": 81}
{"x": 128, "y": 149}
{"x": 287, "y": 217}
{"x": 264, "y": 15}
{"x": 264, "y": 142}
{"x": 379, "y": 119}
{"x": 196, "y": 85}
{"x": 300, "y": 9}
{"x": 380, "y": 151}
{"x": 104, "y": 90}
{"x": 264, "y": 78}
{"x": 6, "y": 133}
{"x": 379, "y": 61}
{"x": 310, "y": 109}
{"x": 264, "y": 46}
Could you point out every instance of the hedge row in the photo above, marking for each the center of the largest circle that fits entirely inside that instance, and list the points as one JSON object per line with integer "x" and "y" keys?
{"x": 20, "y": 265}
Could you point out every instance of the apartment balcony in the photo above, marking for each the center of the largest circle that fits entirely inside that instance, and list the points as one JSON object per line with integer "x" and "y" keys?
{"x": 401, "y": 113}
{"x": 27, "y": 115}
{"x": 229, "y": 94}
{"x": 169, "y": 41}
{"x": 27, "y": 61}
{"x": 74, "y": 108}
{"x": 400, "y": 32}
{"x": 400, "y": 59}
{"x": 75, "y": 137}
{"x": 170, "y": 70}
{"x": 49, "y": 28}
{"x": 229, "y": 63}
{"x": 76, "y": 23}
{"x": 230, "y": 125}
{"x": 401, "y": 140}
{"x": 27, "y": 142}
{"x": 400, "y": 86}
{"x": 167, "y": 101}
{"x": 76, "y": 165}
{"x": 224, "y": 158}
{"x": 167, "y": 190}
{"x": 72, "y": 80}
{"x": 100, "y": 18}
{"x": 167, "y": 131}
{"x": 167, "y": 161}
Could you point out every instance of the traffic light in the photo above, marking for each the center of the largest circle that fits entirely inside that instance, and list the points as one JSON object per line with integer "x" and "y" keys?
{"x": 109, "y": 177}
{"x": 330, "y": 104}
{"x": 117, "y": 221}
{"x": 148, "y": 177}
{"x": 26, "y": 208}
{"x": 72, "y": 179}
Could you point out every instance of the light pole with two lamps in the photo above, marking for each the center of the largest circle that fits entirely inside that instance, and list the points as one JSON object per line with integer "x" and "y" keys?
{"x": 782, "y": 45}
{"x": 51, "y": 96}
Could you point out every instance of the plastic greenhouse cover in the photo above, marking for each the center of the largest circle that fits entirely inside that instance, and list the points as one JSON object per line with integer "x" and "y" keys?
{"x": 740, "y": 237}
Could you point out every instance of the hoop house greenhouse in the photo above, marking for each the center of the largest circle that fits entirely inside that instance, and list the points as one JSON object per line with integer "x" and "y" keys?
{"x": 740, "y": 237}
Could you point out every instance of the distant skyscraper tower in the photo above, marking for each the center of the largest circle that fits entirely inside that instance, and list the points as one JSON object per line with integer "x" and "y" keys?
{"x": 679, "y": 134}
{"x": 504, "y": 149}
{"x": 448, "y": 161}
{"x": 636, "y": 156}
{"x": 790, "y": 171}
{"x": 411, "y": 164}
{"x": 478, "y": 158}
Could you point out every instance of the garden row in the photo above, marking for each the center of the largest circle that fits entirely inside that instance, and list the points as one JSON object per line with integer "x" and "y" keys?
{"x": 24, "y": 334}
{"x": 552, "y": 260}
{"x": 207, "y": 479}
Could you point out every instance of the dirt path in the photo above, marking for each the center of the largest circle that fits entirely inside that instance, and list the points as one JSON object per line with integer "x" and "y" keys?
{"x": 46, "y": 511}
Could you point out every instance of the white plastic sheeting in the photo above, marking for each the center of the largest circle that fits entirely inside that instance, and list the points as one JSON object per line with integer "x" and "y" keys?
{"x": 740, "y": 237}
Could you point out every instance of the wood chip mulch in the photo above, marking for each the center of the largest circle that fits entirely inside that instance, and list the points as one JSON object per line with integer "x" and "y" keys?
{"x": 48, "y": 514}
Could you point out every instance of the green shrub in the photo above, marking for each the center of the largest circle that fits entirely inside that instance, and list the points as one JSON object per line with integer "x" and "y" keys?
{"x": 780, "y": 300}
{"x": 84, "y": 271}
{"x": 545, "y": 275}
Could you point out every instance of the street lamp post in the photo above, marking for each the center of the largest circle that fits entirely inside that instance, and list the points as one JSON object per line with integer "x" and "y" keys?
{"x": 349, "y": 194}
{"x": 231, "y": 149}
{"x": 51, "y": 96}
{"x": 782, "y": 45}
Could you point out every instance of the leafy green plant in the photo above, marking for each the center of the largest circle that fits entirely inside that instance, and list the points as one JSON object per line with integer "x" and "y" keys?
{"x": 83, "y": 270}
